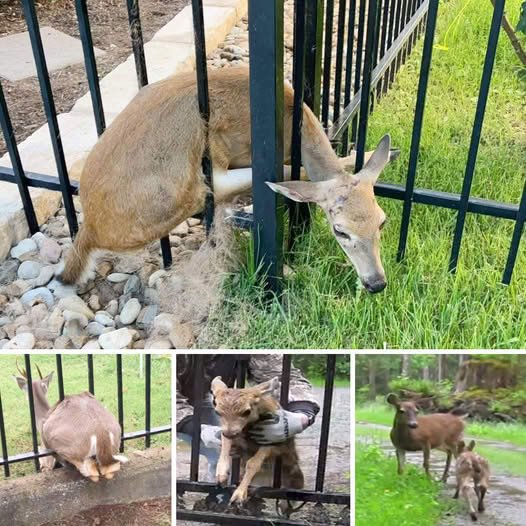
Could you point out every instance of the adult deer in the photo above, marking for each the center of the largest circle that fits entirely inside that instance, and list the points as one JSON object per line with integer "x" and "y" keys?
{"x": 412, "y": 432}
{"x": 79, "y": 430}
{"x": 144, "y": 176}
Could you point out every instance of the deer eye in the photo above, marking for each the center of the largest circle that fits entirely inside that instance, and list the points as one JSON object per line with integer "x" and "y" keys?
{"x": 246, "y": 413}
{"x": 340, "y": 233}
{"x": 402, "y": 410}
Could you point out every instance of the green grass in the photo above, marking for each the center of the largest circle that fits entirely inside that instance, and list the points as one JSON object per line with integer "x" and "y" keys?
{"x": 504, "y": 460}
{"x": 16, "y": 411}
{"x": 319, "y": 381}
{"x": 512, "y": 433}
{"x": 424, "y": 306}
{"x": 384, "y": 498}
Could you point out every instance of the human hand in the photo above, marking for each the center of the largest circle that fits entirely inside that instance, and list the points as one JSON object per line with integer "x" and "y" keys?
{"x": 281, "y": 426}
{"x": 211, "y": 436}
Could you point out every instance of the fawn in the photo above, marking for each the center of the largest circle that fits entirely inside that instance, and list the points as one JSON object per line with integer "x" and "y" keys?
{"x": 237, "y": 409}
{"x": 79, "y": 430}
{"x": 411, "y": 432}
{"x": 144, "y": 175}
{"x": 473, "y": 474}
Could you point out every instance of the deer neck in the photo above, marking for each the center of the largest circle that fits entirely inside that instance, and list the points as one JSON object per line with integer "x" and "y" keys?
{"x": 41, "y": 407}
{"x": 317, "y": 155}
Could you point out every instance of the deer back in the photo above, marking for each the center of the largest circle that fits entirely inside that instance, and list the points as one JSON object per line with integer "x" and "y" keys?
{"x": 72, "y": 423}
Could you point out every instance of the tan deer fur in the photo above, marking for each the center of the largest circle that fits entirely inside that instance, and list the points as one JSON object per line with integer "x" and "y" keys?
{"x": 237, "y": 409}
{"x": 472, "y": 472}
{"x": 412, "y": 432}
{"x": 144, "y": 176}
{"x": 79, "y": 429}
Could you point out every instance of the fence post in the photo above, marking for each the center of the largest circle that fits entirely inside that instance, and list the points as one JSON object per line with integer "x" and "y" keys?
{"x": 265, "y": 20}
{"x": 313, "y": 46}
{"x": 3, "y": 440}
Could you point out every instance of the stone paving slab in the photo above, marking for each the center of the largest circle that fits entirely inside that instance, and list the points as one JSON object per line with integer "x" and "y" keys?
{"x": 16, "y": 55}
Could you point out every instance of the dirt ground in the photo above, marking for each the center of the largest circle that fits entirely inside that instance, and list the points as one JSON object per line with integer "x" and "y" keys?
{"x": 109, "y": 28}
{"x": 148, "y": 513}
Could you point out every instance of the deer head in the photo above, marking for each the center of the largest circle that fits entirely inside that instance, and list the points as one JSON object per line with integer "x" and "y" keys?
{"x": 352, "y": 211}
{"x": 238, "y": 408}
{"x": 406, "y": 412}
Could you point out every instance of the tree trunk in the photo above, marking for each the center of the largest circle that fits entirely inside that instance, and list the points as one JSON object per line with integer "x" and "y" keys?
{"x": 439, "y": 367}
{"x": 425, "y": 372}
{"x": 372, "y": 377}
{"x": 406, "y": 364}
{"x": 485, "y": 374}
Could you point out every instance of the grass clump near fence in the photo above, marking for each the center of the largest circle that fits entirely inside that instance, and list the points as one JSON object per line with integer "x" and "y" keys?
{"x": 424, "y": 306}
{"x": 385, "y": 498}
{"x": 75, "y": 371}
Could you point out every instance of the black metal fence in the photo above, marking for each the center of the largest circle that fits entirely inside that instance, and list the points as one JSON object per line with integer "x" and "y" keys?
{"x": 373, "y": 39}
{"x": 317, "y": 495}
{"x": 387, "y": 31}
{"x": 6, "y": 461}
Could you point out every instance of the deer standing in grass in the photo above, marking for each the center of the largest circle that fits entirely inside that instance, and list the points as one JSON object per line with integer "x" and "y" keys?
{"x": 237, "y": 409}
{"x": 79, "y": 429}
{"x": 411, "y": 432}
{"x": 472, "y": 473}
{"x": 144, "y": 175}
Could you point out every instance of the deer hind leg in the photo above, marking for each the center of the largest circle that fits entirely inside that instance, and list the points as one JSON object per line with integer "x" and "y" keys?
{"x": 254, "y": 465}
{"x": 448, "y": 464}
{"x": 471, "y": 498}
{"x": 427, "y": 455}
{"x": 292, "y": 478}
{"x": 88, "y": 468}
{"x": 482, "y": 494}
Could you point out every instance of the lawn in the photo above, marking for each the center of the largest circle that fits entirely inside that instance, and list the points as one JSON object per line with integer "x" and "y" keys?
{"x": 384, "y": 498}
{"x": 424, "y": 306}
{"x": 512, "y": 433}
{"x": 16, "y": 411}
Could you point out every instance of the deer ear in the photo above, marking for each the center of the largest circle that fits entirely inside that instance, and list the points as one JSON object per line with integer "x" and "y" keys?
{"x": 269, "y": 387}
{"x": 377, "y": 162}
{"x": 300, "y": 191}
{"x": 471, "y": 446}
{"x": 217, "y": 385}
{"x": 22, "y": 382}
{"x": 47, "y": 379}
{"x": 393, "y": 399}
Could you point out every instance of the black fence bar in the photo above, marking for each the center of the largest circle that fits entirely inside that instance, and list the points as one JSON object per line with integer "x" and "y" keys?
{"x": 36, "y": 180}
{"x": 31, "y": 399}
{"x": 51, "y": 113}
{"x": 120, "y": 399}
{"x": 270, "y": 493}
{"x": 516, "y": 239}
{"x": 3, "y": 441}
{"x": 204, "y": 107}
{"x": 284, "y": 401}
{"x": 327, "y": 61}
{"x": 196, "y": 419}
{"x": 134, "y": 21}
{"x": 232, "y": 520}
{"x": 60, "y": 376}
{"x": 147, "y": 397}
{"x": 91, "y": 379}
{"x": 265, "y": 20}
{"x": 134, "y": 435}
{"x": 366, "y": 83}
{"x": 241, "y": 374}
{"x": 338, "y": 74}
{"x": 313, "y": 53}
{"x": 417, "y": 124}
{"x": 18, "y": 170}
{"x": 348, "y": 69}
{"x": 326, "y": 421}
{"x": 298, "y": 212}
{"x": 358, "y": 67}
{"x": 485, "y": 83}
{"x": 91, "y": 64}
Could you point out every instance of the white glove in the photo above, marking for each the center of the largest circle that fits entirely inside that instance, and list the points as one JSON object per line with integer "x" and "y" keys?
{"x": 279, "y": 427}
{"x": 211, "y": 436}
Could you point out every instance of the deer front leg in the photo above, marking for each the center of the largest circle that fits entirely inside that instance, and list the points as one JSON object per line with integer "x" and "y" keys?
{"x": 253, "y": 466}
{"x": 224, "y": 462}
{"x": 400, "y": 457}
{"x": 448, "y": 464}
{"x": 427, "y": 455}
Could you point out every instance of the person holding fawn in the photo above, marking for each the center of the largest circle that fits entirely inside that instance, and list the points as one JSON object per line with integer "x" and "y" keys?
{"x": 285, "y": 423}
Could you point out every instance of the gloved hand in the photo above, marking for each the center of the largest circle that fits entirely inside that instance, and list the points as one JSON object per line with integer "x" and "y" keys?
{"x": 211, "y": 436}
{"x": 278, "y": 428}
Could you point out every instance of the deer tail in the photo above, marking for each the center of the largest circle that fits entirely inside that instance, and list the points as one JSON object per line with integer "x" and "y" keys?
{"x": 104, "y": 453}
{"x": 78, "y": 257}
{"x": 476, "y": 466}
{"x": 120, "y": 458}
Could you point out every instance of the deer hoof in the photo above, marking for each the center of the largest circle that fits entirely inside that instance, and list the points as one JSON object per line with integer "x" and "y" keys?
{"x": 94, "y": 479}
{"x": 239, "y": 497}
{"x": 222, "y": 479}
{"x": 108, "y": 476}
{"x": 473, "y": 517}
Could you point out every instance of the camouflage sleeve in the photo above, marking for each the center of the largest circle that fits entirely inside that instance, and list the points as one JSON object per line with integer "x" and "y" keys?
{"x": 184, "y": 410}
{"x": 263, "y": 367}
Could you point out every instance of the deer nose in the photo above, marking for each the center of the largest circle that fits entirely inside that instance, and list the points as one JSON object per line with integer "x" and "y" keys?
{"x": 375, "y": 286}
{"x": 412, "y": 425}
